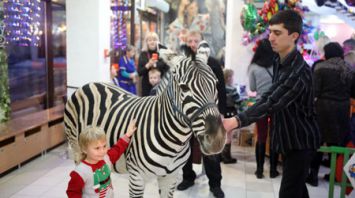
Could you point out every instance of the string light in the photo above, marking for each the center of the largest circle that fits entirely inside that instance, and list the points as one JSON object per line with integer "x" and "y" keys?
{"x": 118, "y": 23}
{"x": 22, "y": 22}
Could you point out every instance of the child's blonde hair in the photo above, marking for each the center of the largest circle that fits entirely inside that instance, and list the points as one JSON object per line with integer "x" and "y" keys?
{"x": 154, "y": 71}
{"x": 87, "y": 136}
{"x": 228, "y": 73}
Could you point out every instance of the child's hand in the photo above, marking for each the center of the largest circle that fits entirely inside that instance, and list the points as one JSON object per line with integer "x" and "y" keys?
{"x": 131, "y": 128}
{"x": 132, "y": 75}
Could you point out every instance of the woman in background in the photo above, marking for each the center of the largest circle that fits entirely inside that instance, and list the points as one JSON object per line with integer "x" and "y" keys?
{"x": 332, "y": 83}
{"x": 260, "y": 80}
{"x": 148, "y": 59}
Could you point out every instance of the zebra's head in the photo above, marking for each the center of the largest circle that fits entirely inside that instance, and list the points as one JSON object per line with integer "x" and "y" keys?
{"x": 193, "y": 96}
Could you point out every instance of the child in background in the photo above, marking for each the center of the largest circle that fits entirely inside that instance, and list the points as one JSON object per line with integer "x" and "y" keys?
{"x": 233, "y": 97}
{"x": 91, "y": 177}
{"x": 154, "y": 79}
{"x": 232, "y": 105}
{"x": 127, "y": 73}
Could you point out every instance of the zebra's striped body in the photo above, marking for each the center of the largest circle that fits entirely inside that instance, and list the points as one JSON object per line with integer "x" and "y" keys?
{"x": 165, "y": 123}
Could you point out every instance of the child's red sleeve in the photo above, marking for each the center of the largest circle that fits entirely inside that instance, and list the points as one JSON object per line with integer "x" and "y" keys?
{"x": 75, "y": 185}
{"x": 116, "y": 150}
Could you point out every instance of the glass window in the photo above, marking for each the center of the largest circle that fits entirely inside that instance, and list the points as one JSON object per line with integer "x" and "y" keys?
{"x": 26, "y": 59}
{"x": 59, "y": 30}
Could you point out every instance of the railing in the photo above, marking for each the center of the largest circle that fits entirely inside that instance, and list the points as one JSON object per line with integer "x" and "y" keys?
{"x": 335, "y": 151}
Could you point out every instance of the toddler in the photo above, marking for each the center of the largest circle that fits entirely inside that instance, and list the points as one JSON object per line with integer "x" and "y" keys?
{"x": 91, "y": 177}
{"x": 154, "y": 79}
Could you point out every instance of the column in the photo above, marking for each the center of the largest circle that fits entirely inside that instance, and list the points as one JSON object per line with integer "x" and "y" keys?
{"x": 88, "y": 35}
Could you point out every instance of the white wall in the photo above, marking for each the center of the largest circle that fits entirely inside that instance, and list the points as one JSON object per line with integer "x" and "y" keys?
{"x": 238, "y": 56}
{"x": 88, "y": 34}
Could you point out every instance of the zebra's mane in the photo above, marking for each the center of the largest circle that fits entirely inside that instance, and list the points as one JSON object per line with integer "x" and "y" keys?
{"x": 180, "y": 64}
{"x": 192, "y": 65}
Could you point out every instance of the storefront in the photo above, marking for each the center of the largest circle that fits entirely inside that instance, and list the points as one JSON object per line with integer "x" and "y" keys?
{"x": 34, "y": 37}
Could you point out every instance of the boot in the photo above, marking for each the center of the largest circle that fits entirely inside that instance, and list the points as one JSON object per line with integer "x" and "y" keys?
{"x": 312, "y": 178}
{"x": 260, "y": 158}
{"x": 274, "y": 157}
{"x": 226, "y": 155}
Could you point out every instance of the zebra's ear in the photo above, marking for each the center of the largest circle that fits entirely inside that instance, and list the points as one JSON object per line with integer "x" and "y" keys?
{"x": 169, "y": 57}
{"x": 203, "y": 51}
{"x": 160, "y": 46}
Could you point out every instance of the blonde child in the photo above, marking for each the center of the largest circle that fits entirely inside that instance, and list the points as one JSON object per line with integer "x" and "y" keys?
{"x": 91, "y": 177}
{"x": 232, "y": 103}
{"x": 127, "y": 76}
{"x": 154, "y": 79}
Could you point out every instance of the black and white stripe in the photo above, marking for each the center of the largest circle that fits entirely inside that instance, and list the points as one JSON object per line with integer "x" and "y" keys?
{"x": 165, "y": 123}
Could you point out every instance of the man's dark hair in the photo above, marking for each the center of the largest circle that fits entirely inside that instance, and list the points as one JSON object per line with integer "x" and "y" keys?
{"x": 263, "y": 55}
{"x": 332, "y": 50}
{"x": 290, "y": 19}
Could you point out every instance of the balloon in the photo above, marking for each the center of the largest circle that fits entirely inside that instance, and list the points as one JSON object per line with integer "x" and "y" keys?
{"x": 274, "y": 6}
{"x": 269, "y": 15}
{"x": 321, "y": 34}
{"x": 249, "y": 16}
{"x": 245, "y": 39}
{"x": 269, "y": 9}
{"x": 318, "y": 34}
{"x": 276, "y": 9}
{"x": 292, "y": 3}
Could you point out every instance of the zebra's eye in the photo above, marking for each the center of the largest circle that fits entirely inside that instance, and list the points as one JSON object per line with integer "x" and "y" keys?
{"x": 184, "y": 87}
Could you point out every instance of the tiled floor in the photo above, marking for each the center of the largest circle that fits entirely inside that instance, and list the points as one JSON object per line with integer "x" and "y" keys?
{"x": 48, "y": 176}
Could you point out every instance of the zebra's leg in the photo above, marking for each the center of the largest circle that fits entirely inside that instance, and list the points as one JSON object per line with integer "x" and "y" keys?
{"x": 136, "y": 185}
{"x": 167, "y": 185}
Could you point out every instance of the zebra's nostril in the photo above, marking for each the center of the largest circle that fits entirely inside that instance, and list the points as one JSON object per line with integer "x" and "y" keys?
{"x": 208, "y": 138}
{"x": 211, "y": 124}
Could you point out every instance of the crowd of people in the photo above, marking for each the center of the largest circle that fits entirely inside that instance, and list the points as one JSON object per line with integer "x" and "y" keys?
{"x": 299, "y": 107}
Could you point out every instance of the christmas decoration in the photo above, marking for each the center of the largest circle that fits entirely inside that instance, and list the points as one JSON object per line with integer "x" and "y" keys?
{"x": 22, "y": 21}
{"x": 249, "y": 16}
{"x": 4, "y": 82}
{"x": 255, "y": 25}
{"x": 119, "y": 28}
{"x": 4, "y": 88}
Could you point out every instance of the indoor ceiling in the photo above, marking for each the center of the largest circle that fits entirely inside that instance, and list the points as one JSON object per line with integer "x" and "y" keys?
{"x": 332, "y": 9}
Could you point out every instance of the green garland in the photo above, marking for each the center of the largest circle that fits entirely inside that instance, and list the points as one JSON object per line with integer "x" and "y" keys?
{"x": 4, "y": 79}
{"x": 4, "y": 88}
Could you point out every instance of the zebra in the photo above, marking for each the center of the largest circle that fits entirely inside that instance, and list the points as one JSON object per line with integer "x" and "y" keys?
{"x": 165, "y": 123}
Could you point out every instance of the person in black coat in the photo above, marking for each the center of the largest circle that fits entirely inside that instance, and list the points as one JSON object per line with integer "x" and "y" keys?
{"x": 148, "y": 59}
{"x": 211, "y": 163}
{"x": 332, "y": 86}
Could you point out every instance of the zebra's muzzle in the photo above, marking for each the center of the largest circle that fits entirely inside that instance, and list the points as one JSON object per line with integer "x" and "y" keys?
{"x": 213, "y": 140}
